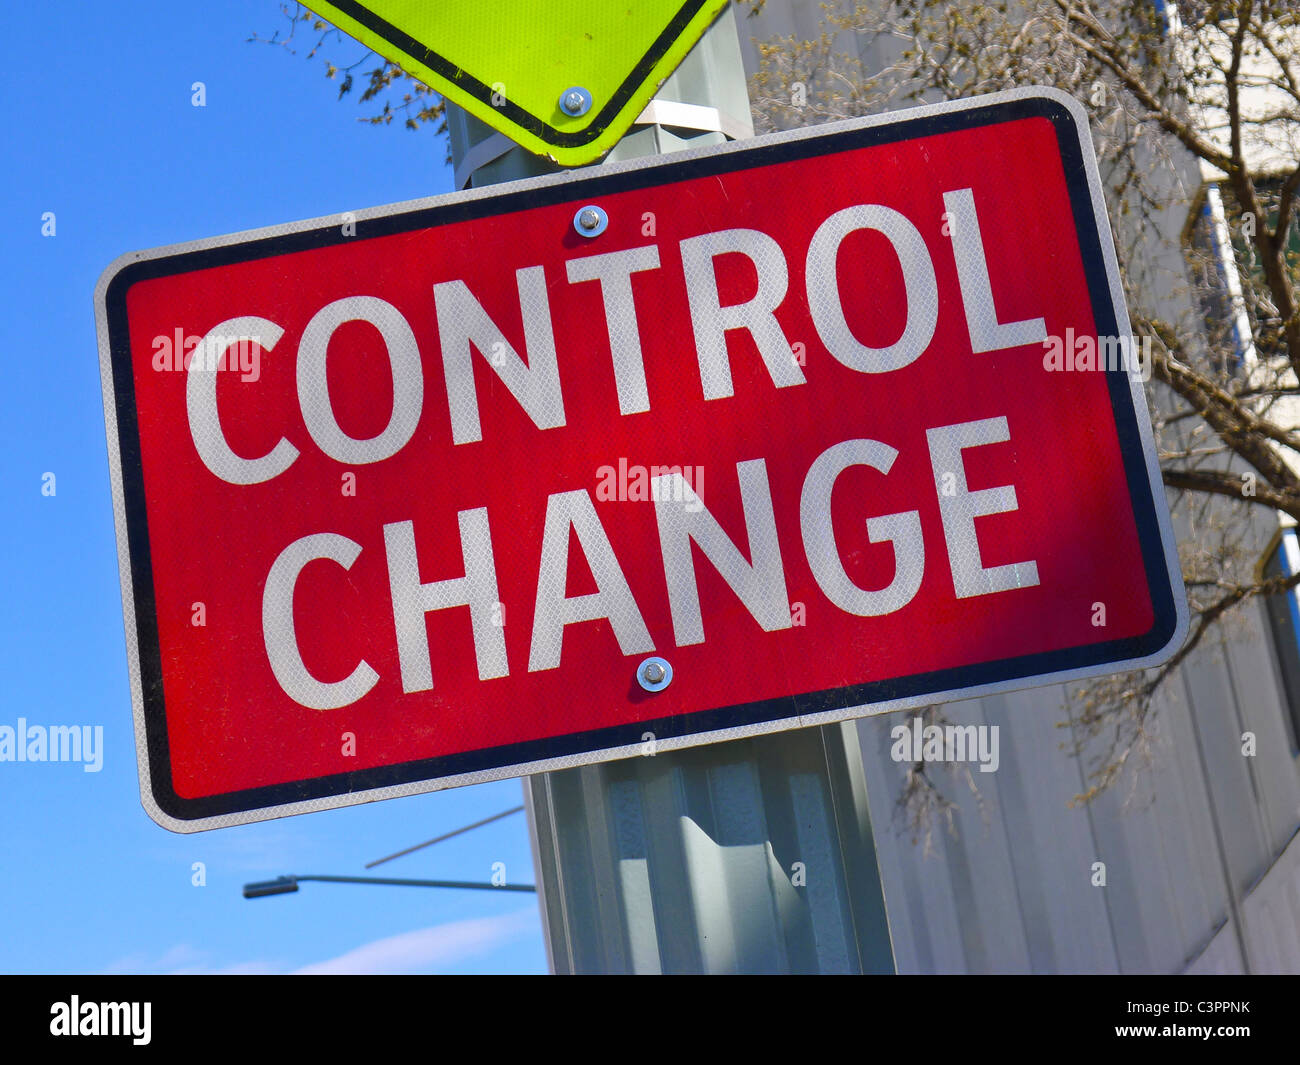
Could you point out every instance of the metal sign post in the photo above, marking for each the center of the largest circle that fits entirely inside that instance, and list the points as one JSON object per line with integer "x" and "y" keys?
{"x": 751, "y": 856}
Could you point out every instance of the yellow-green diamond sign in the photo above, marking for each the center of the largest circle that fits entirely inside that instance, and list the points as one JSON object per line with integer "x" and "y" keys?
{"x": 565, "y": 79}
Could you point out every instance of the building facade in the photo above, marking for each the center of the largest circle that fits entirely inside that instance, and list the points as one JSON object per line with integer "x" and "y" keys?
{"x": 1200, "y": 849}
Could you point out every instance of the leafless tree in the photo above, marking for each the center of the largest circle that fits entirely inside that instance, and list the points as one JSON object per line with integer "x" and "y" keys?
{"x": 395, "y": 94}
{"x": 1207, "y": 92}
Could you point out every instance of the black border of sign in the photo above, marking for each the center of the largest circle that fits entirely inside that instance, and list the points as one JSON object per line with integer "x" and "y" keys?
{"x": 181, "y": 814}
{"x": 526, "y": 120}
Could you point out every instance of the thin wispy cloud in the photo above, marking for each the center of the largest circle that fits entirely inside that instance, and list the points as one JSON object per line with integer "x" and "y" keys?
{"x": 185, "y": 960}
{"x": 420, "y": 950}
{"x": 428, "y": 948}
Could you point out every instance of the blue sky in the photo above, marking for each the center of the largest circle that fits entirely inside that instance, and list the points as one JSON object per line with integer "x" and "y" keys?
{"x": 102, "y": 132}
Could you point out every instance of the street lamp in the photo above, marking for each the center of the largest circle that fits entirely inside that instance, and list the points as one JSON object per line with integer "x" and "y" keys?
{"x": 280, "y": 886}
{"x": 286, "y": 885}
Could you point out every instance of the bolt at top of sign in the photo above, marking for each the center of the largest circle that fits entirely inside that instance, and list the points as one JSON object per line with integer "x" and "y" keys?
{"x": 590, "y": 221}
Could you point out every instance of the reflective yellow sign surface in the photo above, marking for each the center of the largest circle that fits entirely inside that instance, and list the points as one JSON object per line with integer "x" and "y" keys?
{"x": 516, "y": 63}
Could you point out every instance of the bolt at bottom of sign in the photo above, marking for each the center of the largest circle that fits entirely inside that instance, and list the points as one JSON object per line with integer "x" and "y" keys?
{"x": 654, "y": 674}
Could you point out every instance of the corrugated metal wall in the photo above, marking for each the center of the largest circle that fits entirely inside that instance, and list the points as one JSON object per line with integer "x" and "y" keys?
{"x": 1010, "y": 888}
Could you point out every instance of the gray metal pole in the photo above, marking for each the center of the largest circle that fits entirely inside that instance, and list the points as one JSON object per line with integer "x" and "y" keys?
{"x": 752, "y": 856}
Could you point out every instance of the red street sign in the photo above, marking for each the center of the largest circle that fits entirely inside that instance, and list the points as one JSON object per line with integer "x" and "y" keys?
{"x": 829, "y": 423}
